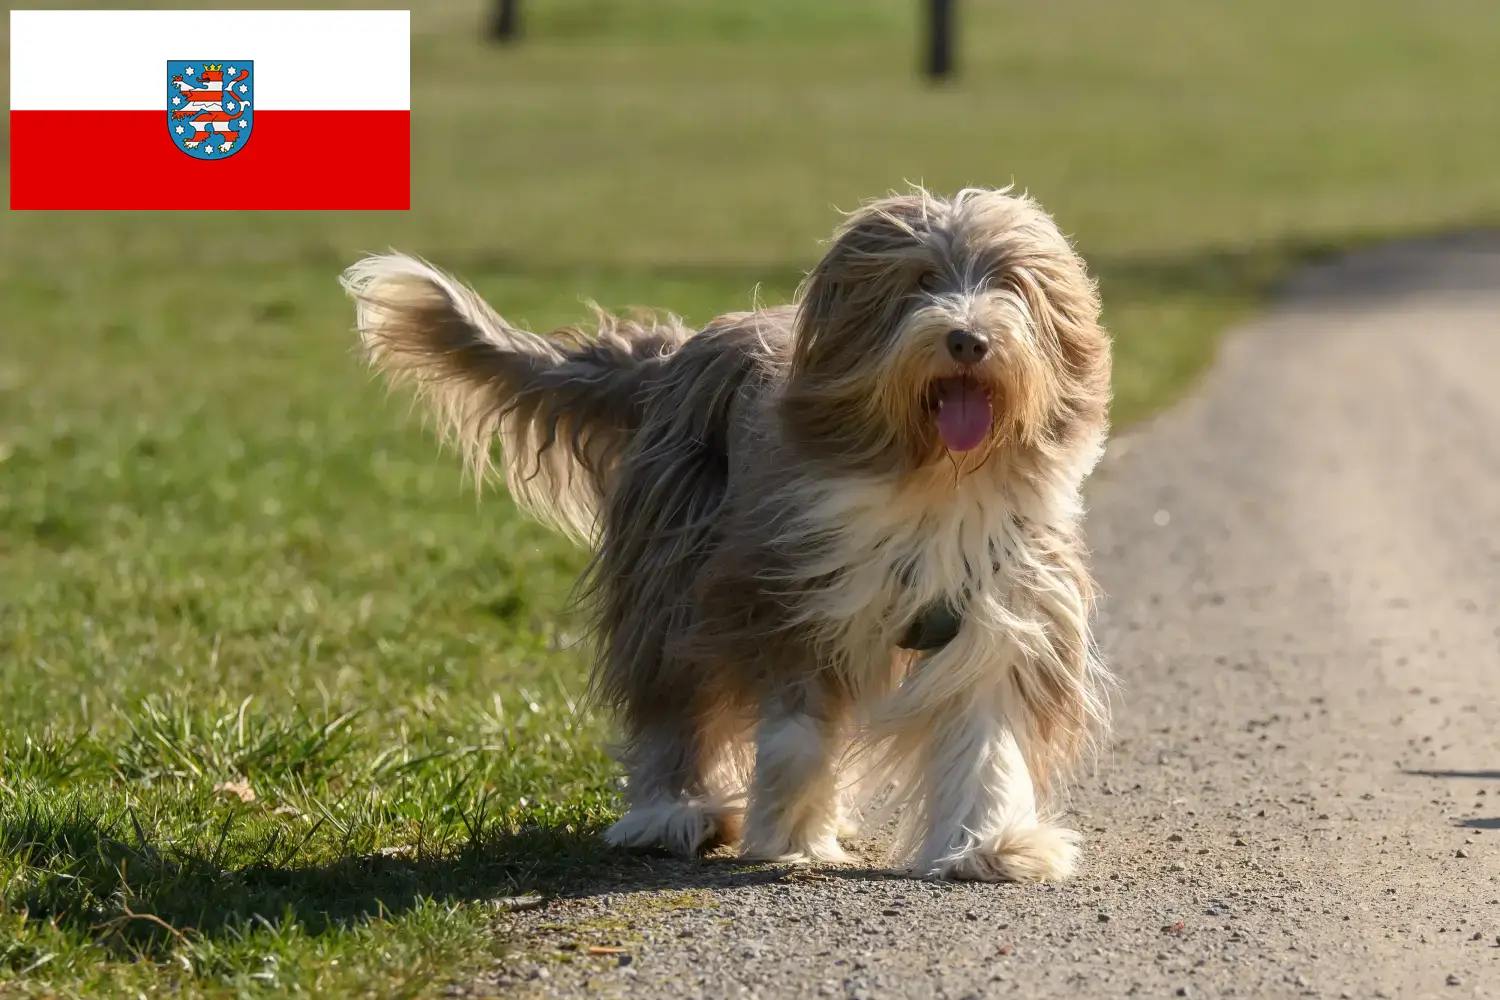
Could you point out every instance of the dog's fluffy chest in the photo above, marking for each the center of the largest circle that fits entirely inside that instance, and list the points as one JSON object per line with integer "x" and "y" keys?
{"x": 887, "y": 559}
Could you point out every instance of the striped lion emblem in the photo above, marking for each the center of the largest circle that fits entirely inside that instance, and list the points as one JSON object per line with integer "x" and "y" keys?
{"x": 209, "y": 104}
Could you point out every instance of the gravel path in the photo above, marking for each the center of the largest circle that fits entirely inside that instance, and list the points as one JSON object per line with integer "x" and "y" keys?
{"x": 1302, "y": 796}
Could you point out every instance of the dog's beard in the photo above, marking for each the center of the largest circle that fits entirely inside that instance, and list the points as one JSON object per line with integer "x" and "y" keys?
{"x": 939, "y": 410}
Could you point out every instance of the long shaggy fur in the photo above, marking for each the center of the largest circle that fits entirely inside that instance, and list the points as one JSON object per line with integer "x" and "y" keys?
{"x": 773, "y": 502}
{"x": 562, "y": 406}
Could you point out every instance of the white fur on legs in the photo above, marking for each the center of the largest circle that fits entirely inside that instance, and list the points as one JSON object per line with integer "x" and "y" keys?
{"x": 1040, "y": 853}
{"x": 682, "y": 827}
{"x": 794, "y": 812}
{"x": 846, "y": 822}
{"x": 681, "y": 799}
{"x": 980, "y": 807}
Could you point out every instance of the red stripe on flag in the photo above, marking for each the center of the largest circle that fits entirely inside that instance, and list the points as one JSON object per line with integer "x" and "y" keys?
{"x": 291, "y": 160}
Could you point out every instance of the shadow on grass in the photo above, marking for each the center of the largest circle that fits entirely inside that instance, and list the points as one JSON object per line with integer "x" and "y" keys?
{"x": 1210, "y": 271}
{"x": 102, "y": 880}
{"x": 1206, "y": 271}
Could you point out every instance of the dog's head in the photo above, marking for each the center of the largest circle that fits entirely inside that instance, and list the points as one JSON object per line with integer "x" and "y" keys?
{"x": 938, "y": 329}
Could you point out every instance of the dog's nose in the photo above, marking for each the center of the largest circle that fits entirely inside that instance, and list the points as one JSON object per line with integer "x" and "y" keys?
{"x": 967, "y": 347}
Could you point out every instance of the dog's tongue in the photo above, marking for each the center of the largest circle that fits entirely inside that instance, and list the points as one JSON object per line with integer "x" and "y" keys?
{"x": 963, "y": 416}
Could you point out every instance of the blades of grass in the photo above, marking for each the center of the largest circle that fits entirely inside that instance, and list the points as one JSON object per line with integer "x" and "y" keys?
{"x": 306, "y": 839}
{"x": 244, "y": 706}
{"x": 145, "y": 849}
{"x": 270, "y": 846}
{"x": 223, "y": 836}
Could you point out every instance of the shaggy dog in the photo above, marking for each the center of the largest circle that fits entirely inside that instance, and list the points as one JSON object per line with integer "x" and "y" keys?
{"x": 837, "y": 543}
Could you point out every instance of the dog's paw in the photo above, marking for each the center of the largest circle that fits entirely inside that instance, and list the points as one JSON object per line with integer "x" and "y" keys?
{"x": 1028, "y": 854}
{"x": 683, "y": 828}
{"x": 812, "y": 854}
{"x": 792, "y": 850}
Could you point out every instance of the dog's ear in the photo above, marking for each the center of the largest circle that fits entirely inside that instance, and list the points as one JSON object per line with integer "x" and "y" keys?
{"x": 1064, "y": 304}
{"x": 855, "y": 287}
{"x": 849, "y": 312}
{"x": 1044, "y": 270}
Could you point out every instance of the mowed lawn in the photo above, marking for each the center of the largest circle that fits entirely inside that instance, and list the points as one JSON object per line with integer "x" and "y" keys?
{"x": 232, "y": 565}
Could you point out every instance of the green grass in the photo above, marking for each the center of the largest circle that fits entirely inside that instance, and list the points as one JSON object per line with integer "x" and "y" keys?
{"x": 226, "y": 555}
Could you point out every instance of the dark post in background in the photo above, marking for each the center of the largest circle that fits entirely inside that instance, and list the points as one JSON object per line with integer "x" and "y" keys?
{"x": 507, "y": 23}
{"x": 940, "y": 38}
{"x": 506, "y": 27}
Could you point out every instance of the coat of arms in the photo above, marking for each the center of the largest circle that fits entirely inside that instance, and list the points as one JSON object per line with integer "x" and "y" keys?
{"x": 209, "y": 106}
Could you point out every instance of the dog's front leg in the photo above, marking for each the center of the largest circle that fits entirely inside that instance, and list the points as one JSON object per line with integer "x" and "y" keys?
{"x": 980, "y": 806}
{"x": 794, "y": 810}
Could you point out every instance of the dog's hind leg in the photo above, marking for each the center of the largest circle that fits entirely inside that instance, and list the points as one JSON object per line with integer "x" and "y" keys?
{"x": 795, "y": 813}
{"x": 684, "y": 788}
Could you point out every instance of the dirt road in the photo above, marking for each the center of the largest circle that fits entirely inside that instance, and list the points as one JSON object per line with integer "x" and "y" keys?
{"x": 1302, "y": 794}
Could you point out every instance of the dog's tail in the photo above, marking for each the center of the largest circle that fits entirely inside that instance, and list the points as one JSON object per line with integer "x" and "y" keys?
{"x": 563, "y": 406}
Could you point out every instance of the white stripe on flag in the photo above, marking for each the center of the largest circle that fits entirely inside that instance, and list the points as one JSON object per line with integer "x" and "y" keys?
{"x": 305, "y": 60}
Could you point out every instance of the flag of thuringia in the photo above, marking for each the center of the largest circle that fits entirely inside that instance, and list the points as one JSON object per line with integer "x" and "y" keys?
{"x": 210, "y": 110}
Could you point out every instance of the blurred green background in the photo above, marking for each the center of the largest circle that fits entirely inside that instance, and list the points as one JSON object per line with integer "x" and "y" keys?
{"x": 227, "y": 556}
